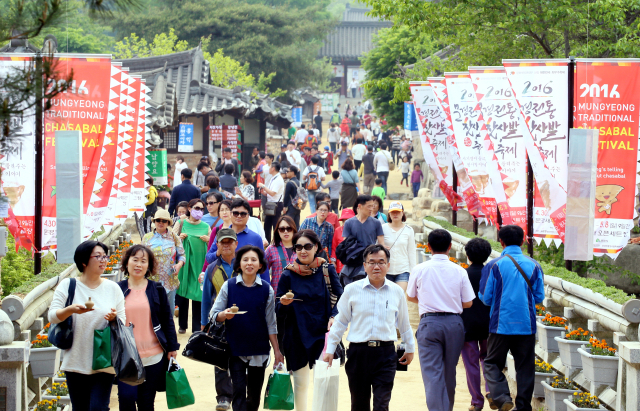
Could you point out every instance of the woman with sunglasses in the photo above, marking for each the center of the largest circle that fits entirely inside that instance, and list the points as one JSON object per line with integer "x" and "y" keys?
{"x": 213, "y": 204}
{"x": 169, "y": 253}
{"x": 321, "y": 227}
{"x": 89, "y": 389}
{"x": 307, "y": 321}
{"x": 195, "y": 235}
{"x": 281, "y": 253}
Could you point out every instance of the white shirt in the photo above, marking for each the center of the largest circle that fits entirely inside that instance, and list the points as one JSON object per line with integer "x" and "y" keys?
{"x": 353, "y": 84}
{"x": 177, "y": 174}
{"x": 301, "y": 135}
{"x": 404, "y": 166}
{"x": 358, "y": 151}
{"x": 367, "y": 134}
{"x": 333, "y": 135}
{"x": 373, "y": 313}
{"x": 440, "y": 285}
{"x": 106, "y": 296}
{"x": 375, "y": 126}
{"x": 382, "y": 161}
{"x": 276, "y": 184}
{"x": 255, "y": 225}
{"x": 313, "y": 167}
{"x": 294, "y": 157}
{"x": 403, "y": 251}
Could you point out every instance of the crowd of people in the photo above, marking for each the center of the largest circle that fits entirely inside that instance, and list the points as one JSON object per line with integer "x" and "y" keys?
{"x": 348, "y": 264}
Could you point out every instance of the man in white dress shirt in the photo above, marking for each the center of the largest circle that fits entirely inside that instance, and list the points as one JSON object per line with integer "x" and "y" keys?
{"x": 301, "y": 134}
{"x": 374, "y": 306}
{"x": 275, "y": 193}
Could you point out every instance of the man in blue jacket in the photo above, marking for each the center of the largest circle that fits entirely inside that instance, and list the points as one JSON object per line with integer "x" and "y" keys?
{"x": 184, "y": 191}
{"x": 511, "y": 285}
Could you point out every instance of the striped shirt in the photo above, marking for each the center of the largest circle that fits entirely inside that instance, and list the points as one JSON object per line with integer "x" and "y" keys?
{"x": 373, "y": 313}
{"x": 325, "y": 232}
{"x": 274, "y": 262}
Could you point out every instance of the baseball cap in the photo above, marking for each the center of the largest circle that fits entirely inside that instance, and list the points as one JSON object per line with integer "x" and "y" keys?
{"x": 226, "y": 233}
{"x": 283, "y": 146}
{"x": 347, "y": 213}
{"x": 396, "y": 206}
{"x": 284, "y": 170}
{"x": 344, "y": 143}
{"x": 326, "y": 147}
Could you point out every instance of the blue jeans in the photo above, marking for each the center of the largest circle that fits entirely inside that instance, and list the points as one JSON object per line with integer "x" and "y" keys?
{"x": 171, "y": 297}
{"x": 144, "y": 394}
{"x": 398, "y": 278}
{"x": 90, "y": 392}
{"x": 394, "y": 155}
{"x": 416, "y": 188}
{"x": 333, "y": 147}
{"x": 312, "y": 200}
{"x": 384, "y": 175}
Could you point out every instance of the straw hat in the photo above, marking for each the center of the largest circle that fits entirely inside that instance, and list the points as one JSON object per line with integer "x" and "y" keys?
{"x": 163, "y": 214}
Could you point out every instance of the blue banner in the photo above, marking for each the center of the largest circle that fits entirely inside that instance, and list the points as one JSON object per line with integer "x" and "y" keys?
{"x": 185, "y": 138}
{"x": 410, "y": 120}
{"x": 296, "y": 114}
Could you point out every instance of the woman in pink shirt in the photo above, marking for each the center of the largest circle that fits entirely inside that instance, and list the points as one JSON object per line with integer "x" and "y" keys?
{"x": 147, "y": 307}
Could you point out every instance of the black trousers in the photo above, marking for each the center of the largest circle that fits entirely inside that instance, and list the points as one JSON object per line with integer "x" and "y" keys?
{"x": 357, "y": 164}
{"x": 247, "y": 384}
{"x": 142, "y": 395}
{"x": 271, "y": 220}
{"x": 183, "y": 314}
{"x": 523, "y": 350}
{"x": 295, "y": 214}
{"x": 371, "y": 369}
{"x": 334, "y": 205}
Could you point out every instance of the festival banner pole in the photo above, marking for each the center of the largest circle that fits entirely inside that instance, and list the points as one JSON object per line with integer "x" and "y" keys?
{"x": 529, "y": 207}
{"x": 454, "y": 212}
{"x": 568, "y": 264}
{"x": 37, "y": 227}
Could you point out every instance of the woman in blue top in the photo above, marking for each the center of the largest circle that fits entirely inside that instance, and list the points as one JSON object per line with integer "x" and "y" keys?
{"x": 306, "y": 322}
{"x": 378, "y": 209}
{"x": 249, "y": 334}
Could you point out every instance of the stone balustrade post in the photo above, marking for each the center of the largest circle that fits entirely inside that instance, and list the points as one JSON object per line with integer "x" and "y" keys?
{"x": 628, "y": 397}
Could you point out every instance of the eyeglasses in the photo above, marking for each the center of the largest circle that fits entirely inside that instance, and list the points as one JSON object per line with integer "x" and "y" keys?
{"x": 162, "y": 221}
{"x": 198, "y": 208}
{"x": 212, "y": 202}
{"x": 240, "y": 214}
{"x": 285, "y": 229}
{"x": 307, "y": 247}
{"x": 101, "y": 257}
{"x": 373, "y": 263}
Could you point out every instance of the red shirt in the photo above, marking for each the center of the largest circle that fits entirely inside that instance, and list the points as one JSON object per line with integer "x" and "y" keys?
{"x": 337, "y": 239}
{"x": 332, "y": 218}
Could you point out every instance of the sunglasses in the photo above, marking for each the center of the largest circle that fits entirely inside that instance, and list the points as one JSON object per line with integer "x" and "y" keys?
{"x": 198, "y": 208}
{"x": 240, "y": 214}
{"x": 307, "y": 247}
{"x": 285, "y": 229}
{"x": 162, "y": 221}
{"x": 212, "y": 202}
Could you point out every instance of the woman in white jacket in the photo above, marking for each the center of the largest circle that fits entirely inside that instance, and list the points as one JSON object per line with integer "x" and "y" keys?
{"x": 400, "y": 240}
{"x": 333, "y": 135}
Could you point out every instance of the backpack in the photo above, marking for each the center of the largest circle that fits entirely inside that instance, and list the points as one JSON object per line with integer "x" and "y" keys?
{"x": 335, "y": 118}
{"x": 312, "y": 180}
{"x": 299, "y": 202}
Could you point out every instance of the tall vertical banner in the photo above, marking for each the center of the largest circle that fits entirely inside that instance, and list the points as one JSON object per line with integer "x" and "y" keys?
{"x": 138, "y": 183}
{"x": 506, "y": 132}
{"x": 410, "y": 120}
{"x": 607, "y": 97}
{"x": 541, "y": 90}
{"x": 185, "y": 138}
{"x": 17, "y": 157}
{"x": 84, "y": 107}
{"x": 471, "y": 198}
{"x": 476, "y": 152}
{"x": 432, "y": 132}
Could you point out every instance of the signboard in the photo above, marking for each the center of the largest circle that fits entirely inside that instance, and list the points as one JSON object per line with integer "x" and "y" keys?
{"x": 157, "y": 159}
{"x": 338, "y": 71}
{"x": 185, "y": 138}
{"x": 410, "y": 120}
{"x": 296, "y": 114}
{"x": 229, "y": 136}
{"x": 329, "y": 101}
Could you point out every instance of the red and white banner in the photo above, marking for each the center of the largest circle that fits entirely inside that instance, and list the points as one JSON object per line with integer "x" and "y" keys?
{"x": 506, "y": 132}
{"x": 138, "y": 189}
{"x": 541, "y": 90}
{"x": 433, "y": 133}
{"x": 607, "y": 97}
{"x": 471, "y": 198}
{"x": 83, "y": 107}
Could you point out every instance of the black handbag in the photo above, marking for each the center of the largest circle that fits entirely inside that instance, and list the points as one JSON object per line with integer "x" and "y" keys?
{"x": 61, "y": 335}
{"x": 210, "y": 346}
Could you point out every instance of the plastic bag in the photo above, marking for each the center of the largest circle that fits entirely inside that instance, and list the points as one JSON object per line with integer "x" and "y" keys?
{"x": 325, "y": 386}
{"x": 179, "y": 393}
{"x": 279, "y": 392}
{"x": 101, "y": 349}
{"x": 126, "y": 359}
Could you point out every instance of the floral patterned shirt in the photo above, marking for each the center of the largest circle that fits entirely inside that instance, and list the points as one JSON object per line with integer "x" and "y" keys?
{"x": 168, "y": 252}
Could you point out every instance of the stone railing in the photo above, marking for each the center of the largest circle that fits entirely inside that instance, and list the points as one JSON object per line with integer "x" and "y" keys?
{"x": 28, "y": 315}
{"x": 594, "y": 313}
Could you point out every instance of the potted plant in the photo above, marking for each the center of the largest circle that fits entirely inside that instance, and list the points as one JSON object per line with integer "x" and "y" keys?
{"x": 599, "y": 362}
{"x": 44, "y": 358}
{"x": 48, "y": 405}
{"x": 59, "y": 392}
{"x": 569, "y": 345}
{"x": 549, "y": 328}
{"x": 543, "y": 372}
{"x": 582, "y": 401}
{"x": 45, "y": 330}
{"x": 556, "y": 390}
{"x": 60, "y": 377}
{"x": 541, "y": 311}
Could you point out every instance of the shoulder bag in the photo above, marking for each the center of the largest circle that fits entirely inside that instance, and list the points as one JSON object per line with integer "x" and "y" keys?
{"x": 513, "y": 260}
{"x": 209, "y": 346}
{"x": 392, "y": 164}
{"x": 269, "y": 209}
{"x": 61, "y": 335}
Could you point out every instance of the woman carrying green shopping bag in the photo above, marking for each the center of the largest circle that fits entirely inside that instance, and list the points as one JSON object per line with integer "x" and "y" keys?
{"x": 147, "y": 307}
{"x": 251, "y": 330}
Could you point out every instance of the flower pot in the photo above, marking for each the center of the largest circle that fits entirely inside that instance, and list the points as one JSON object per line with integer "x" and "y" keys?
{"x": 44, "y": 362}
{"x": 572, "y": 407}
{"x": 419, "y": 256}
{"x": 425, "y": 256}
{"x": 569, "y": 354}
{"x": 66, "y": 400}
{"x": 59, "y": 380}
{"x": 554, "y": 397}
{"x": 547, "y": 335}
{"x": 599, "y": 369}
{"x": 538, "y": 389}
{"x": 111, "y": 276}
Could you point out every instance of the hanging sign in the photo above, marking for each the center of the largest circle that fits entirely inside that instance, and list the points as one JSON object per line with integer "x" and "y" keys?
{"x": 607, "y": 96}
{"x": 506, "y": 133}
{"x": 157, "y": 161}
{"x": 229, "y": 136}
{"x": 410, "y": 121}
{"x": 138, "y": 179}
{"x": 185, "y": 138}
{"x": 296, "y": 114}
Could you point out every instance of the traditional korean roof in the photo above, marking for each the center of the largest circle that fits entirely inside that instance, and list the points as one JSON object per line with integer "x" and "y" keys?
{"x": 447, "y": 53}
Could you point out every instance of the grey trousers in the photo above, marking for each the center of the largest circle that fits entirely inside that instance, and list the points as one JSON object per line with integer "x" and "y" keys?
{"x": 440, "y": 341}
{"x": 368, "y": 184}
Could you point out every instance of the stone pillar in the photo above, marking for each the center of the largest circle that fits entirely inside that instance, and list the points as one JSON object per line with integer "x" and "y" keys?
{"x": 628, "y": 395}
{"x": 13, "y": 377}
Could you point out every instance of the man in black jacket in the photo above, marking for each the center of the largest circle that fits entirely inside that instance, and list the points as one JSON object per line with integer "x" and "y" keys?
{"x": 183, "y": 192}
{"x": 226, "y": 159}
{"x": 290, "y": 192}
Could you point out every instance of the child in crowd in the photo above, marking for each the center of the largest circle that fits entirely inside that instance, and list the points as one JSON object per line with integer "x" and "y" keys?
{"x": 378, "y": 190}
{"x": 404, "y": 168}
{"x": 416, "y": 179}
{"x": 327, "y": 159}
{"x": 334, "y": 186}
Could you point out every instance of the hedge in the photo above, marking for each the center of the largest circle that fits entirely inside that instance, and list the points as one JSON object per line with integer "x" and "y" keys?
{"x": 496, "y": 246}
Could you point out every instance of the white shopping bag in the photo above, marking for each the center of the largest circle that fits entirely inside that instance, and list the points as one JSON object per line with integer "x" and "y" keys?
{"x": 325, "y": 386}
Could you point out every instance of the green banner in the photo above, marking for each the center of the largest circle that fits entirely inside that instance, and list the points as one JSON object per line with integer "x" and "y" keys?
{"x": 158, "y": 166}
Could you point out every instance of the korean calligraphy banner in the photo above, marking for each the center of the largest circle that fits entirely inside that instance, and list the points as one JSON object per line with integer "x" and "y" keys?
{"x": 475, "y": 151}
{"x": 432, "y": 133}
{"x": 410, "y": 120}
{"x": 17, "y": 157}
{"x": 506, "y": 132}
{"x": 541, "y": 90}
{"x": 84, "y": 107}
{"x": 471, "y": 199}
{"x": 185, "y": 138}
{"x": 607, "y": 96}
